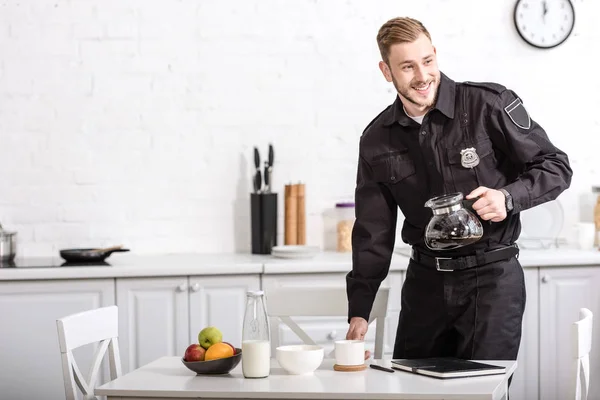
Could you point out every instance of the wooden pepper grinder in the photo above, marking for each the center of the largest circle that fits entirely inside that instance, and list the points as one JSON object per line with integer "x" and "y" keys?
{"x": 301, "y": 219}
{"x": 291, "y": 215}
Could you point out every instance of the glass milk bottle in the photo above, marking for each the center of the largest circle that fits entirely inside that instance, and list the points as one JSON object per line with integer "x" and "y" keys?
{"x": 256, "y": 344}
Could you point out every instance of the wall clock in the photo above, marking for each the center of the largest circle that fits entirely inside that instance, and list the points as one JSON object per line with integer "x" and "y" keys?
{"x": 544, "y": 23}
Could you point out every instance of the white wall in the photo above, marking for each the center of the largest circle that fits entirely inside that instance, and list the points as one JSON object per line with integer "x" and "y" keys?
{"x": 133, "y": 122}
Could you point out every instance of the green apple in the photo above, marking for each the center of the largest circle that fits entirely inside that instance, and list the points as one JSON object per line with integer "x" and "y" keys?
{"x": 209, "y": 336}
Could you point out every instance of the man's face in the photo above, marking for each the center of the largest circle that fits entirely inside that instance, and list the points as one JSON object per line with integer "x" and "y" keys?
{"x": 413, "y": 69}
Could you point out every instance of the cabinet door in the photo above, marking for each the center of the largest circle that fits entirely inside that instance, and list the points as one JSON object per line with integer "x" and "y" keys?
{"x": 563, "y": 291}
{"x": 326, "y": 330}
{"x": 31, "y": 365}
{"x": 525, "y": 381}
{"x": 220, "y": 301}
{"x": 153, "y": 319}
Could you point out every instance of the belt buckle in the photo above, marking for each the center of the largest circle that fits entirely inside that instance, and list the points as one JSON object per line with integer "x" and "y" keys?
{"x": 437, "y": 264}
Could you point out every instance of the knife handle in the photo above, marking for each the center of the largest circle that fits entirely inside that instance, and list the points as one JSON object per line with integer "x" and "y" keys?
{"x": 256, "y": 158}
{"x": 271, "y": 155}
{"x": 258, "y": 181}
{"x": 267, "y": 178}
{"x": 255, "y": 184}
{"x": 270, "y": 178}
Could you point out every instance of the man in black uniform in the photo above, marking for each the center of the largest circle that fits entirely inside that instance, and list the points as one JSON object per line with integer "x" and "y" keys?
{"x": 441, "y": 137}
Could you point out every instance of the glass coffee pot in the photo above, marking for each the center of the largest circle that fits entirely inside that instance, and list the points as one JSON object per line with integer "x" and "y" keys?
{"x": 452, "y": 226}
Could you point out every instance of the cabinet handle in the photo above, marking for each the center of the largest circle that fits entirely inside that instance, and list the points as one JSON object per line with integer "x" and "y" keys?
{"x": 331, "y": 335}
{"x": 195, "y": 287}
{"x": 546, "y": 278}
{"x": 182, "y": 287}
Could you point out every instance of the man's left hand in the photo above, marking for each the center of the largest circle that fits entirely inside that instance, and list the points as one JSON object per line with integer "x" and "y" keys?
{"x": 491, "y": 205}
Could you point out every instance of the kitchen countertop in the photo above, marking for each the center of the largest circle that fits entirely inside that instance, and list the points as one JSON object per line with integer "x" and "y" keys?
{"x": 131, "y": 265}
{"x": 323, "y": 262}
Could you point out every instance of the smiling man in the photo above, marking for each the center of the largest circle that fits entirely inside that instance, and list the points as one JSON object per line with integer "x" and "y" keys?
{"x": 416, "y": 76}
{"x": 441, "y": 137}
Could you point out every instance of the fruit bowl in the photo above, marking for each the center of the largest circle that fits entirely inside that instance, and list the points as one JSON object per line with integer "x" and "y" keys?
{"x": 213, "y": 367}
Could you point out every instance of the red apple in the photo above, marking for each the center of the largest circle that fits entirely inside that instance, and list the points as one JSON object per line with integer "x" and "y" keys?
{"x": 194, "y": 352}
{"x": 232, "y": 347}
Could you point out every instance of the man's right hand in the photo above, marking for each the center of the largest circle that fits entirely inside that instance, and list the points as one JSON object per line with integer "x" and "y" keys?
{"x": 357, "y": 331}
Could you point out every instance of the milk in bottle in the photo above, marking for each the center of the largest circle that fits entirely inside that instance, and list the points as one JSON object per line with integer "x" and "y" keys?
{"x": 256, "y": 344}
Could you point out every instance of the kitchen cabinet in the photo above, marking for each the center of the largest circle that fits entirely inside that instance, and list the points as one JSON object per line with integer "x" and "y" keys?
{"x": 153, "y": 319}
{"x": 162, "y": 316}
{"x": 31, "y": 364}
{"x": 220, "y": 301}
{"x": 325, "y": 330}
{"x": 563, "y": 291}
{"x": 524, "y": 384}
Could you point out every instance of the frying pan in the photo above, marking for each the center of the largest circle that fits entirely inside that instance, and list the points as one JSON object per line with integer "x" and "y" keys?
{"x": 89, "y": 255}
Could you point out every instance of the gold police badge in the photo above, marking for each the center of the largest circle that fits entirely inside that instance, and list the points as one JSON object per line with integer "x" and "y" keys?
{"x": 469, "y": 158}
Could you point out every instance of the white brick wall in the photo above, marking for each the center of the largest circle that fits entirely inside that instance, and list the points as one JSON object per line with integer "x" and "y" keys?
{"x": 133, "y": 121}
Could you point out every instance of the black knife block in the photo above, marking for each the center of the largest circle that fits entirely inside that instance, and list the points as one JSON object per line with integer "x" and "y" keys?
{"x": 263, "y": 220}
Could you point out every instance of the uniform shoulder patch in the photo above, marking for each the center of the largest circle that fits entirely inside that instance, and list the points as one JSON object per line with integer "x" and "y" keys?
{"x": 518, "y": 114}
{"x": 491, "y": 86}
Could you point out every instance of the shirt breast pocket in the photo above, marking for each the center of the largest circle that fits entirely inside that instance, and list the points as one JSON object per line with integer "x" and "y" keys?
{"x": 393, "y": 170}
{"x": 473, "y": 165}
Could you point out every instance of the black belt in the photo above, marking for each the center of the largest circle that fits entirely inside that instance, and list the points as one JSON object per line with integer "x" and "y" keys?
{"x": 465, "y": 262}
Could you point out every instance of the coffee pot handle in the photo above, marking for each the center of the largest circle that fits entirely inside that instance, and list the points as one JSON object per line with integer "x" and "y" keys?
{"x": 468, "y": 203}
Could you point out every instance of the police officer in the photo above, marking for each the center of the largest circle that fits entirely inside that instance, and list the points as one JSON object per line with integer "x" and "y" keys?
{"x": 441, "y": 137}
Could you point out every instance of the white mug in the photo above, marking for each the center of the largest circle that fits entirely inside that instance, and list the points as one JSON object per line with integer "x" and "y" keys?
{"x": 349, "y": 352}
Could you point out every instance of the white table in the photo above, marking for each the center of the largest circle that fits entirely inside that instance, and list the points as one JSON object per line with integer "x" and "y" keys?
{"x": 168, "y": 378}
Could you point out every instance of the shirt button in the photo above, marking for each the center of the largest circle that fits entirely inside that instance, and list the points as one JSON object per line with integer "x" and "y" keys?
{"x": 423, "y": 133}
{"x": 393, "y": 178}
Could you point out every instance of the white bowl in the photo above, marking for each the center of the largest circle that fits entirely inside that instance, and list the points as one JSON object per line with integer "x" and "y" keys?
{"x": 299, "y": 359}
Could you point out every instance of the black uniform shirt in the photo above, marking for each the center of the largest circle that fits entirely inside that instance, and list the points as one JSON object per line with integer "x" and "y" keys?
{"x": 404, "y": 164}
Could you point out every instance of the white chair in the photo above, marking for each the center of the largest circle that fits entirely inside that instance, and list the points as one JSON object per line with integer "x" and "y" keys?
{"x": 76, "y": 330}
{"x": 283, "y": 303}
{"x": 582, "y": 345}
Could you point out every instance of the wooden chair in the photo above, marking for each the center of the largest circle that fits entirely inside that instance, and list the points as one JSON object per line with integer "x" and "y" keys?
{"x": 582, "y": 345}
{"x": 76, "y": 330}
{"x": 283, "y": 303}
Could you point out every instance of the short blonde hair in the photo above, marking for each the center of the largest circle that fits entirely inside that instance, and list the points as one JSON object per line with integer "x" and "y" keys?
{"x": 398, "y": 30}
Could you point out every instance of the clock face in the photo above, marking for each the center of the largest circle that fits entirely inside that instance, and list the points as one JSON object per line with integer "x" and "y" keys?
{"x": 544, "y": 23}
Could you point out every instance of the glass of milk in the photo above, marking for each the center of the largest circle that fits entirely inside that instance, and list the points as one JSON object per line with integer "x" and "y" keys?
{"x": 256, "y": 343}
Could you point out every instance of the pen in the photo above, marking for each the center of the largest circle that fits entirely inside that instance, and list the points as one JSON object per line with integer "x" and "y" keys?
{"x": 379, "y": 367}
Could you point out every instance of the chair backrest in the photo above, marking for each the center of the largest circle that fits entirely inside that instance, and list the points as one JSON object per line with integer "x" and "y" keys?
{"x": 283, "y": 303}
{"x": 582, "y": 345}
{"x": 76, "y": 330}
